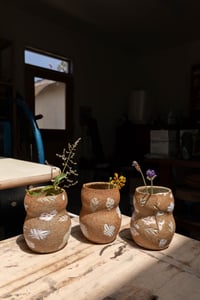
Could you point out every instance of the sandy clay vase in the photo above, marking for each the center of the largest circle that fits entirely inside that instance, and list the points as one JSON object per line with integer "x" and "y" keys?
{"x": 100, "y": 216}
{"x": 47, "y": 225}
{"x": 152, "y": 223}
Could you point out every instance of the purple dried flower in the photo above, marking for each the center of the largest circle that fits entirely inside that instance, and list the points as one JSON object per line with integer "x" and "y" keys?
{"x": 151, "y": 174}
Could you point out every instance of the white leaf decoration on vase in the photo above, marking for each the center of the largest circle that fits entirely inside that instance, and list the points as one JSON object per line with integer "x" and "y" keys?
{"x": 142, "y": 201}
{"x": 160, "y": 224}
{"x": 150, "y": 230}
{"x": 170, "y": 208}
{"x": 171, "y": 226}
{"x": 38, "y": 234}
{"x": 84, "y": 230}
{"x": 148, "y": 220}
{"x": 160, "y": 213}
{"x": 110, "y": 203}
{"x": 134, "y": 231}
{"x": 162, "y": 243}
{"x": 63, "y": 218}
{"x": 48, "y": 216}
{"x": 136, "y": 225}
{"x": 47, "y": 199}
{"x": 94, "y": 203}
{"x": 30, "y": 244}
{"x": 109, "y": 229}
{"x": 118, "y": 212}
{"x": 65, "y": 238}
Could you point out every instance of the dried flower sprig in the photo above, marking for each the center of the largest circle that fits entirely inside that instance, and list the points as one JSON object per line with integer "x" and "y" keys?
{"x": 151, "y": 175}
{"x": 69, "y": 172}
{"x": 67, "y": 175}
{"x": 117, "y": 181}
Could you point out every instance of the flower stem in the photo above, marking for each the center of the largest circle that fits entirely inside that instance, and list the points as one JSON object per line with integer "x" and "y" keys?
{"x": 151, "y": 186}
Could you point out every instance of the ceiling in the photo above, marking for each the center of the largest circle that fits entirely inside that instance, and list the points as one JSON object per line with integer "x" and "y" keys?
{"x": 134, "y": 24}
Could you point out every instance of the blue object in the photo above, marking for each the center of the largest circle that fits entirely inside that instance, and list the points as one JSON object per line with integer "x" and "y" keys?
{"x": 36, "y": 131}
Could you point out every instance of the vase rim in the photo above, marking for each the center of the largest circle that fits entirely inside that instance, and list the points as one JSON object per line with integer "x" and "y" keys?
{"x": 156, "y": 187}
{"x": 35, "y": 188}
{"x": 98, "y": 185}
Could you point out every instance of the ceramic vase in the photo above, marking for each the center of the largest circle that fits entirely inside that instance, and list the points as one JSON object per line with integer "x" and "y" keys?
{"x": 152, "y": 222}
{"x": 100, "y": 216}
{"x": 47, "y": 225}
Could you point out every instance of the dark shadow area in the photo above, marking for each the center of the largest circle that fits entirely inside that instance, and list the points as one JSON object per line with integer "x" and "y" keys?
{"x": 77, "y": 234}
{"x": 22, "y": 244}
{"x": 12, "y": 212}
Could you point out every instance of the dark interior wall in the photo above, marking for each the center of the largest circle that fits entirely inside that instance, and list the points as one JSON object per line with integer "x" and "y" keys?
{"x": 166, "y": 75}
{"x": 104, "y": 74}
{"x": 97, "y": 66}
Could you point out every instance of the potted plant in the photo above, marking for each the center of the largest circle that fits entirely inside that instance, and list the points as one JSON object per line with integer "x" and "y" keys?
{"x": 152, "y": 222}
{"x": 100, "y": 216}
{"x": 47, "y": 225}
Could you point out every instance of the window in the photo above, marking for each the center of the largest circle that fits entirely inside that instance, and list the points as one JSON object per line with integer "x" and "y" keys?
{"x": 45, "y": 61}
{"x": 49, "y": 94}
{"x": 50, "y": 88}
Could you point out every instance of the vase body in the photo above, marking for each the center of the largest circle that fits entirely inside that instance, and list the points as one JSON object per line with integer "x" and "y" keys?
{"x": 152, "y": 222}
{"x": 100, "y": 216}
{"x": 47, "y": 225}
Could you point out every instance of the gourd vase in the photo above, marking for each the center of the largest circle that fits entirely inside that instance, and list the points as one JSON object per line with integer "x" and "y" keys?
{"x": 152, "y": 223}
{"x": 100, "y": 216}
{"x": 47, "y": 225}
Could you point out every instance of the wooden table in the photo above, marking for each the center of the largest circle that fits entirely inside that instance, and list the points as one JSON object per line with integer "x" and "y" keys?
{"x": 15, "y": 173}
{"x": 83, "y": 270}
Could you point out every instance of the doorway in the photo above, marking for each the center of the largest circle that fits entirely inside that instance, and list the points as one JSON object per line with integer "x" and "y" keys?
{"x": 49, "y": 95}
